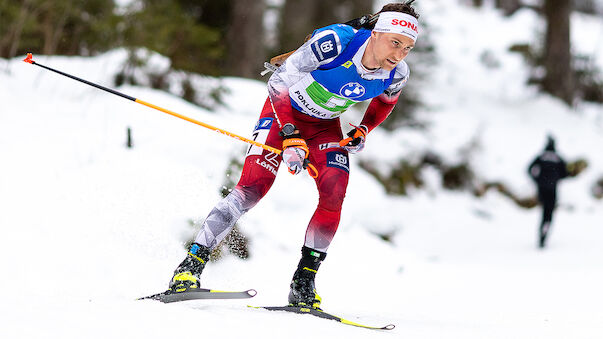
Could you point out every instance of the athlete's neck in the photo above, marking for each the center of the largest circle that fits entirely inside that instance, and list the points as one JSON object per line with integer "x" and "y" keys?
{"x": 368, "y": 59}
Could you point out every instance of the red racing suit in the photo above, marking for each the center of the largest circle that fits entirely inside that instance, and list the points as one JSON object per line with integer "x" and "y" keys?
{"x": 332, "y": 164}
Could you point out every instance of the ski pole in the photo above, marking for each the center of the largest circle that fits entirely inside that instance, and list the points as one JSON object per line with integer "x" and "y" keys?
{"x": 29, "y": 59}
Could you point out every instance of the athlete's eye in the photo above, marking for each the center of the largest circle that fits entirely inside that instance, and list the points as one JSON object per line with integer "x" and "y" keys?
{"x": 395, "y": 43}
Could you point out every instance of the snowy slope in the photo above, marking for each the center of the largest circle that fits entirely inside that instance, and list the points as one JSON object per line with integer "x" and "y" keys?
{"x": 88, "y": 226}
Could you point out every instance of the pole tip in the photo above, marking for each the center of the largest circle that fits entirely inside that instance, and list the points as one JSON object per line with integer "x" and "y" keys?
{"x": 29, "y": 58}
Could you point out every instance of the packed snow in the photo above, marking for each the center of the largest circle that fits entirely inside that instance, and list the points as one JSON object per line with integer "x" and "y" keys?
{"x": 88, "y": 225}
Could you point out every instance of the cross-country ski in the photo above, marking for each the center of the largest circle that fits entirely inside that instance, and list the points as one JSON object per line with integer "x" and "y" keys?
{"x": 170, "y": 296}
{"x": 322, "y": 314}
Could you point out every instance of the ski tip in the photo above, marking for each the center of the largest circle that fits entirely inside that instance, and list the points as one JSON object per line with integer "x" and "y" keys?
{"x": 153, "y": 297}
{"x": 29, "y": 58}
{"x": 252, "y": 293}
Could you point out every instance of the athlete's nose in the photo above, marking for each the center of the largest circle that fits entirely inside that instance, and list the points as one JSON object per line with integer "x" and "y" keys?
{"x": 399, "y": 55}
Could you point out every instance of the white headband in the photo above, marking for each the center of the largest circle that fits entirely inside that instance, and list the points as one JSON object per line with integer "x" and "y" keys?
{"x": 398, "y": 22}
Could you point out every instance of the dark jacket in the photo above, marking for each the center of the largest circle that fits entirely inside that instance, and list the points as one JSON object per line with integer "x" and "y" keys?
{"x": 548, "y": 168}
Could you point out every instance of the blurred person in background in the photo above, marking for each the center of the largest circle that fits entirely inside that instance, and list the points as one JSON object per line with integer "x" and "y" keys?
{"x": 547, "y": 169}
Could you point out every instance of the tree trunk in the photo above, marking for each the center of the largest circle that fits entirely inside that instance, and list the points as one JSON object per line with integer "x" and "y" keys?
{"x": 54, "y": 20}
{"x": 55, "y": 39}
{"x": 300, "y": 18}
{"x": 245, "y": 38}
{"x": 19, "y": 25}
{"x": 11, "y": 41}
{"x": 559, "y": 79}
{"x": 297, "y": 21}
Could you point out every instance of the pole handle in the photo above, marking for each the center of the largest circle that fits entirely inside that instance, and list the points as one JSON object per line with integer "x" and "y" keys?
{"x": 312, "y": 171}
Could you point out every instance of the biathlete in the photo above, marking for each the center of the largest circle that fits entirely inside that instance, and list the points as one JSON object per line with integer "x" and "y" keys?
{"x": 336, "y": 68}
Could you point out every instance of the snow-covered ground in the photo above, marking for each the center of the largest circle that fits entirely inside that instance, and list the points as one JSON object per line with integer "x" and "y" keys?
{"x": 87, "y": 225}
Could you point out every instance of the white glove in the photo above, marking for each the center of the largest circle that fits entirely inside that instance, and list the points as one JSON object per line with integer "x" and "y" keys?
{"x": 295, "y": 154}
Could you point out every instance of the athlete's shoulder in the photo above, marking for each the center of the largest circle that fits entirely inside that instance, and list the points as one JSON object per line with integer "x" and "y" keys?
{"x": 402, "y": 70}
{"x": 328, "y": 42}
{"x": 401, "y": 75}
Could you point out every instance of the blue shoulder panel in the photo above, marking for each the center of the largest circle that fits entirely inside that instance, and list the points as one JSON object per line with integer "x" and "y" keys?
{"x": 326, "y": 47}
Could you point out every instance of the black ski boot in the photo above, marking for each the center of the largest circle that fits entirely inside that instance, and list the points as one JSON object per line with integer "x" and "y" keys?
{"x": 188, "y": 274}
{"x": 303, "y": 290}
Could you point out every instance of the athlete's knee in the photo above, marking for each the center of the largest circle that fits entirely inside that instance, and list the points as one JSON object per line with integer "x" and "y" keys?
{"x": 258, "y": 176}
{"x": 248, "y": 196}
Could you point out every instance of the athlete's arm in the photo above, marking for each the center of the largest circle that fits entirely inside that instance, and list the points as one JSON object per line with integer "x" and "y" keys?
{"x": 381, "y": 106}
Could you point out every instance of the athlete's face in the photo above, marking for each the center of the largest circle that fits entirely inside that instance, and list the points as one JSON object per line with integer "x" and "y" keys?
{"x": 386, "y": 50}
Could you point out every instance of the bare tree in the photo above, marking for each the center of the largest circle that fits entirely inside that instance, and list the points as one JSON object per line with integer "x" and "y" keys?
{"x": 53, "y": 24}
{"x": 13, "y": 26}
{"x": 559, "y": 79}
{"x": 17, "y": 29}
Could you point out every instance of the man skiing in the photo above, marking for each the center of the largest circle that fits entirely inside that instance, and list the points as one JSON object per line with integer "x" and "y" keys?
{"x": 546, "y": 170}
{"x": 337, "y": 67}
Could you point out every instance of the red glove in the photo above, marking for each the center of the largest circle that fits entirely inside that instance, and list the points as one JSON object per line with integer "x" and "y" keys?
{"x": 355, "y": 142}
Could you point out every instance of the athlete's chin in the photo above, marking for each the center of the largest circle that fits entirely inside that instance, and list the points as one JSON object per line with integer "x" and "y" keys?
{"x": 388, "y": 65}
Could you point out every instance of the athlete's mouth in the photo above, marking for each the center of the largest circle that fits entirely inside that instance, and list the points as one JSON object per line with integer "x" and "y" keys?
{"x": 391, "y": 62}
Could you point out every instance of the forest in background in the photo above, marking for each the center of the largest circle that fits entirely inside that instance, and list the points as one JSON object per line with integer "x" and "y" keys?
{"x": 235, "y": 37}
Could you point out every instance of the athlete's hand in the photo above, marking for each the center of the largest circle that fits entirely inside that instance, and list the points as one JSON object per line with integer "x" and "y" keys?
{"x": 295, "y": 154}
{"x": 356, "y": 138}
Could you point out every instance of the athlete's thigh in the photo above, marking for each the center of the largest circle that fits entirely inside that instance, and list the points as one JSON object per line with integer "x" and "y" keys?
{"x": 261, "y": 166}
{"x": 331, "y": 161}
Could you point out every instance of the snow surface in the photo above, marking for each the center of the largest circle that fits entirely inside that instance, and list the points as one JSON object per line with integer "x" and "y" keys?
{"x": 88, "y": 225}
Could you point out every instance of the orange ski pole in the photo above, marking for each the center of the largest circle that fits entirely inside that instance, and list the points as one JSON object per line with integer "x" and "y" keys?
{"x": 29, "y": 59}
